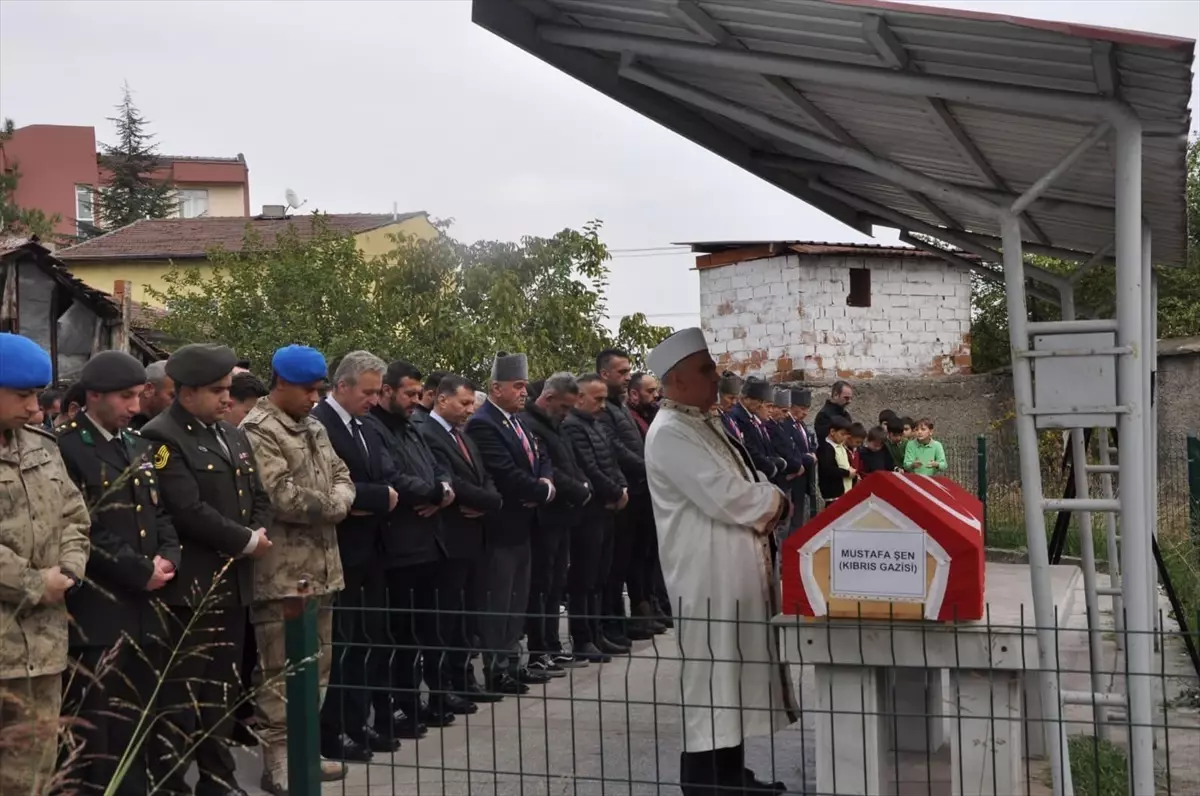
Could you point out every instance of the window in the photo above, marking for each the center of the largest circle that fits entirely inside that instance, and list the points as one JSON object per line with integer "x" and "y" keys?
{"x": 193, "y": 202}
{"x": 860, "y": 288}
{"x": 85, "y": 213}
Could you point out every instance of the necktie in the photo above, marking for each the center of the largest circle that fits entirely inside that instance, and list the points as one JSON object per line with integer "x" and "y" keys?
{"x": 216, "y": 430}
{"x": 356, "y": 430}
{"x": 524, "y": 440}
{"x": 462, "y": 446}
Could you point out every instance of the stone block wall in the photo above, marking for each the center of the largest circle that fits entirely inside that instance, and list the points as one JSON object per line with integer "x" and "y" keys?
{"x": 787, "y": 317}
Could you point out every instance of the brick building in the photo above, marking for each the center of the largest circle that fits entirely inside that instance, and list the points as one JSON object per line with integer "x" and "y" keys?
{"x": 818, "y": 311}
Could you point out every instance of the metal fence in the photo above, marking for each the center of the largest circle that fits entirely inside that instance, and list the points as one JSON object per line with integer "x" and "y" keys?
{"x": 881, "y": 707}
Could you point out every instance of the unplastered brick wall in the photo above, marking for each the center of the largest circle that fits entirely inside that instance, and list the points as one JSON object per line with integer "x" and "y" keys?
{"x": 787, "y": 317}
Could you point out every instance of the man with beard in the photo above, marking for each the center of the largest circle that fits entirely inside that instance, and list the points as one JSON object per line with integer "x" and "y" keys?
{"x": 524, "y": 476}
{"x": 551, "y": 537}
{"x": 115, "y": 630}
{"x": 835, "y": 406}
{"x": 210, "y": 486}
{"x": 463, "y": 528}
{"x": 643, "y": 400}
{"x": 420, "y": 412}
{"x": 647, "y": 592}
{"x": 633, "y": 525}
{"x": 310, "y": 492}
{"x": 416, "y": 559}
{"x": 158, "y": 394}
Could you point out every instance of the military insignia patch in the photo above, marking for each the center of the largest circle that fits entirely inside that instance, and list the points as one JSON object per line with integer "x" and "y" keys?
{"x": 161, "y": 457}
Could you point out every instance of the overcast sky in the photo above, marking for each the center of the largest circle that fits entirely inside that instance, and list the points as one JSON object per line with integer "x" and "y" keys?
{"x": 359, "y": 105}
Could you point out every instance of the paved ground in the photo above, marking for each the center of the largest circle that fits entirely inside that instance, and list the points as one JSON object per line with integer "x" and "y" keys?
{"x": 613, "y": 730}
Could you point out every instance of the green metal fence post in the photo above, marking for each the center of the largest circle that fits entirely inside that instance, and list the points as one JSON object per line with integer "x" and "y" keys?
{"x": 981, "y": 480}
{"x": 303, "y": 697}
{"x": 1193, "y": 459}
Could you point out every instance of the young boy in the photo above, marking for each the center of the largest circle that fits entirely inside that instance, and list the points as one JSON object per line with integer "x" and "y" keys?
{"x": 835, "y": 476}
{"x": 896, "y": 440}
{"x": 857, "y": 435}
{"x": 875, "y": 454}
{"x": 924, "y": 454}
{"x": 886, "y": 415}
{"x": 910, "y": 427}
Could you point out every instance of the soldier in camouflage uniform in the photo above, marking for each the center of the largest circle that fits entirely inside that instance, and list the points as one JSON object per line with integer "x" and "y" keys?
{"x": 311, "y": 492}
{"x": 43, "y": 552}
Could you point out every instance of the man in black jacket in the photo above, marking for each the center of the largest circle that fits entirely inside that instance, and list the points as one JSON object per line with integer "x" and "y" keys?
{"x": 208, "y": 484}
{"x": 462, "y": 527}
{"x": 135, "y": 552}
{"x": 835, "y": 406}
{"x": 521, "y": 468}
{"x": 359, "y": 671}
{"x": 420, "y": 412}
{"x": 783, "y": 445}
{"x": 551, "y": 537}
{"x": 633, "y": 526}
{"x": 415, "y": 554}
{"x": 592, "y": 539}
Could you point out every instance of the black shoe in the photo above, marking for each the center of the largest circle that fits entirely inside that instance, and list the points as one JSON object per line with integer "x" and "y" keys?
{"x": 474, "y": 693}
{"x": 457, "y": 705}
{"x": 617, "y": 637}
{"x": 402, "y": 726}
{"x": 608, "y": 647}
{"x": 546, "y": 665}
{"x": 530, "y": 677}
{"x": 564, "y": 660}
{"x": 505, "y": 684}
{"x": 435, "y": 715}
{"x": 636, "y": 631}
{"x": 589, "y": 652}
{"x": 343, "y": 747}
{"x": 753, "y": 784}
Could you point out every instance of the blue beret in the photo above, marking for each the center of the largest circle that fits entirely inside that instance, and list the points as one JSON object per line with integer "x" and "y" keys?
{"x": 24, "y": 365}
{"x": 299, "y": 364}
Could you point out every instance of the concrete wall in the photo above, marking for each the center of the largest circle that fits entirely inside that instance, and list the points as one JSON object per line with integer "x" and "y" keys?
{"x": 1179, "y": 386}
{"x": 786, "y": 317}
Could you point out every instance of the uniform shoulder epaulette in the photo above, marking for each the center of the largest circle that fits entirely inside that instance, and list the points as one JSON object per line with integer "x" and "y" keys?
{"x": 41, "y": 432}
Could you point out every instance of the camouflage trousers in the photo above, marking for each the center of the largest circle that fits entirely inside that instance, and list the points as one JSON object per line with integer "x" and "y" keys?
{"x": 29, "y": 720}
{"x": 270, "y": 695}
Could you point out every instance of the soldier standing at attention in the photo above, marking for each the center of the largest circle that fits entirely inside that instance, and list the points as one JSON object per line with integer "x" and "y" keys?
{"x": 43, "y": 550}
{"x": 310, "y": 492}
{"x": 210, "y": 486}
{"x": 116, "y": 631}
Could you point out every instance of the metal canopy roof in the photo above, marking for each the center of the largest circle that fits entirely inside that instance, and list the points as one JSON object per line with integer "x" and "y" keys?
{"x": 753, "y": 80}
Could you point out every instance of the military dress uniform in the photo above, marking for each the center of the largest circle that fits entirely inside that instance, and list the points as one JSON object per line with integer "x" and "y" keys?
{"x": 43, "y": 524}
{"x": 117, "y": 630}
{"x": 210, "y": 487}
{"x": 310, "y": 492}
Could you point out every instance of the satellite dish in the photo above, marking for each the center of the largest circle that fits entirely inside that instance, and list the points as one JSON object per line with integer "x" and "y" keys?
{"x": 293, "y": 200}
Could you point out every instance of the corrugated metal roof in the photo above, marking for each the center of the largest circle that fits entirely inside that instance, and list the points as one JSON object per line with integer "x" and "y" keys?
{"x": 995, "y": 152}
{"x": 715, "y": 254}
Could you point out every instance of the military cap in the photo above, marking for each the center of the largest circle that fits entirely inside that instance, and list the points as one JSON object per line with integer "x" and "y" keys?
{"x": 510, "y": 367}
{"x": 757, "y": 389}
{"x": 730, "y": 384}
{"x": 24, "y": 365}
{"x": 198, "y": 364}
{"x": 111, "y": 371}
{"x": 299, "y": 364}
{"x": 801, "y": 397}
{"x": 783, "y": 397}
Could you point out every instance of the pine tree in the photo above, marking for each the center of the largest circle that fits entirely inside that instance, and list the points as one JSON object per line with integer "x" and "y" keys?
{"x": 131, "y": 192}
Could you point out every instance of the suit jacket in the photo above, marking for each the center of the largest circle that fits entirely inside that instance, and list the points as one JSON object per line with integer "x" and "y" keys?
{"x": 129, "y": 528}
{"x": 410, "y": 538}
{"x": 215, "y": 500}
{"x": 516, "y": 477}
{"x": 756, "y": 441}
{"x": 360, "y": 536}
{"x": 783, "y": 444}
{"x": 571, "y": 485}
{"x": 473, "y": 488}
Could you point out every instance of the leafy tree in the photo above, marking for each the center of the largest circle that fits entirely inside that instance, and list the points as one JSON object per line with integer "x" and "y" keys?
{"x": 1178, "y": 291}
{"x": 14, "y": 220}
{"x": 440, "y": 303}
{"x": 131, "y": 191}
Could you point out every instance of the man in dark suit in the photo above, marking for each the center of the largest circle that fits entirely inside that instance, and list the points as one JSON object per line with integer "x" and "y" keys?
{"x": 782, "y": 443}
{"x": 551, "y": 540}
{"x": 135, "y": 552}
{"x": 476, "y": 498}
{"x": 524, "y": 476}
{"x": 415, "y": 555}
{"x": 729, "y": 389}
{"x": 360, "y": 656}
{"x": 208, "y": 484}
{"x": 806, "y": 446}
{"x": 749, "y": 415}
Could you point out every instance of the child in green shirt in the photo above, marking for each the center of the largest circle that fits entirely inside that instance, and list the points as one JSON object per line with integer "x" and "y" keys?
{"x": 897, "y": 441}
{"x": 924, "y": 455}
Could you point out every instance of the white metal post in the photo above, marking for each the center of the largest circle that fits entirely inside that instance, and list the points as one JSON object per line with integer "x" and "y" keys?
{"x": 1149, "y": 346}
{"x": 1135, "y": 541}
{"x": 1035, "y": 518}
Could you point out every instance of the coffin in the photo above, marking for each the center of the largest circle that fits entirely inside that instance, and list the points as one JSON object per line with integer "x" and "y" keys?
{"x": 897, "y": 545}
